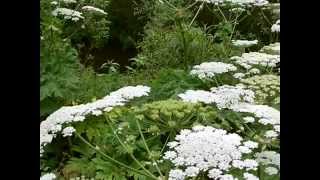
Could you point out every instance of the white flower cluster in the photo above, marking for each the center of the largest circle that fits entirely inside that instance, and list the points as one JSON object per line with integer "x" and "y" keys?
{"x": 276, "y": 27}
{"x": 271, "y": 159}
{"x": 238, "y": 2}
{"x": 248, "y": 176}
{"x": 249, "y": 119}
{"x": 49, "y": 176}
{"x": 210, "y": 69}
{"x": 244, "y": 43}
{"x": 54, "y": 3}
{"x": 195, "y": 96}
{"x": 94, "y": 9}
{"x": 219, "y": 153}
{"x": 271, "y": 170}
{"x": 224, "y": 96}
{"x": 253, "y": 71}
{"x": 227, "y": 96}
{"x": 267, "y": 115}
{"x": 68, "y": 14}
{"x": 68, "y": 114}
{"x": 81, "y": 178}
{"x": 68, "y": 131}
{"x": 237, "y": 10}
{"x": 69, "y": 1}
{"x": 240, "y": 75}
{"x": 272, "y": 49}
{"x": 256, "y": 58}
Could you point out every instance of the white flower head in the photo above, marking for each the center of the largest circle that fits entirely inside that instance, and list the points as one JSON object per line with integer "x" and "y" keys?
{"x": 267, "y": 114}
{"x": 195, "y": 96}
{"x": 54, "y": 3}
{"x": 242, "y": 3}
{"x": 239, "y": 75}
{"x": 271, "y": 134}
{"x": 227, "y": 96}
{"x": 68, "y": 131}
{"x": 247, "y": 60}
{"x": 244, "y": 43}
{"x": 216, "y": 155}
{"x": 248, "y": 176}
{"x": 254, "y": 71}
{"x": 223, "y": 96}
{"x": 70, "y": 114}
{"x": 93, "y": 9}
{"x": 69, "y": 1}
{"x": 214, "y": 173}
{"x": 271, "y": 170}
{"x": 272, "y": 49}
{"x": 248, "y": 119}
{"x": 251, "y": 144}
{"x": 68, "y": 14}
{"x": 268, "y": 158}
{"x": 176, "y": 174}
{"x": 49, "y": 176}
{"x": 210, "y": 69}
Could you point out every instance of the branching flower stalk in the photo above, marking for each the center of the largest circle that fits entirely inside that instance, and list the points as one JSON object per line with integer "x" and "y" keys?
{"x": 171, "y": 5}
{"x": 197, "y": 13}
{"x": 97, "y": 149}
{"x": 224, "y": 17}
{"x": 148, "y": 150}
{"x": 130, "y": 153}
{"x": 165, "y": 144}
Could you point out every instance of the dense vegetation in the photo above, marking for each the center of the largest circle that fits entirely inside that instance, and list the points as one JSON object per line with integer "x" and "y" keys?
{"x": 160, "y": 89}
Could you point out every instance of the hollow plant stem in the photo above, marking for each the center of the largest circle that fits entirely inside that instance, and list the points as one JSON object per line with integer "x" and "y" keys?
{"x": 130, "y": 153}
{"x": 147, "y": 148}
{"x": 197, "y": 13}
{"x": 110, "y": 158}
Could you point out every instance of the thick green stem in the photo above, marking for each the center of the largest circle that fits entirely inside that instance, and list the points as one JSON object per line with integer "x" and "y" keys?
{"x": 130, "y": 153}
{"x": 110, "y": 158}
{"x": 165, "y": 144}
{"x": 224, "y": 17}
{"x": 197, "y": 13}
{"x": 148, "y": 150}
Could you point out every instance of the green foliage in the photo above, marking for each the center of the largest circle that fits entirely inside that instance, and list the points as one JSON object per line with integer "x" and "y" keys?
{"x": 249, "y": 23}
{"x": 126, "y": 142}
{"x": 158, "y": 121}
{"x": 59, "y": 69}
{"x": 168, "y": 83}
{"x": 93, "y": 28}
{"x": 180, "y": 46}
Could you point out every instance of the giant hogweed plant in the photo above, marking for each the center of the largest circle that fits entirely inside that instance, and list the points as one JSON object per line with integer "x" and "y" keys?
{"x": 173, "y": 37}
{"x": 139, "y": 136}
{"x": 60, "y": 67}
{"x": 83, "y": 20}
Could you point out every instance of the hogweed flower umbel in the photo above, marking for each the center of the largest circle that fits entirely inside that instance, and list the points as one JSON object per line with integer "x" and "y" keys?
{"x": 210, "y": 69}
{"x": 237, "y": 2}
{"x": 247, "y": 60}
{"x": 244, "y": 43}
{"x": 93, "y": 9}
{"x": 49, "y": 176}
{"x": 223, "y": 96}
{"x": 68, "y": 114}
{"x": 68, "y": 14}
{"x": 220, "y": 151}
